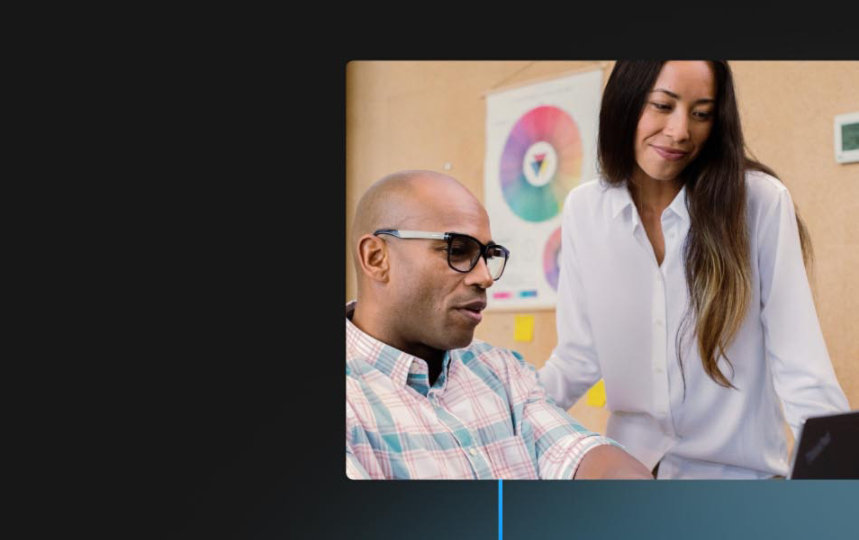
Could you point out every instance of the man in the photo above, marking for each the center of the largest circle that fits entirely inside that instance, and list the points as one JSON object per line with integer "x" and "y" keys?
{"x": 423, "y": 399}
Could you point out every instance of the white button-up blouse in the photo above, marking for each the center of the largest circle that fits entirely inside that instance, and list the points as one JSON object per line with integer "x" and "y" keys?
{"x": 618, "y": 316}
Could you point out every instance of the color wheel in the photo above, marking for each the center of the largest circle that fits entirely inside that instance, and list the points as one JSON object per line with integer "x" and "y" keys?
{"x": 540, "y": 163}
{"x": 552, "y": 258}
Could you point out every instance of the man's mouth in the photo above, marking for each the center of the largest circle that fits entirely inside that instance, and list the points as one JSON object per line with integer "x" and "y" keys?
{"x": 473, "y": 309}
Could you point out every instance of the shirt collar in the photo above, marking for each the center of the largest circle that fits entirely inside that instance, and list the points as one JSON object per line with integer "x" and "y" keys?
{"x": 621, "y": 199}
{"x": 392, "y": 362}
{"x": 678, "y": 205}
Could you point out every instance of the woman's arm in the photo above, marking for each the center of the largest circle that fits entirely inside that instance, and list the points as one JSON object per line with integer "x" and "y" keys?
{"x": 802, "y": 372}
{"x": 572, "y": 367}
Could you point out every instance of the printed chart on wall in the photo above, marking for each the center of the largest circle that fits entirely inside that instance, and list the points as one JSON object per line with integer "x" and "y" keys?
{"x": 540, "y": 143}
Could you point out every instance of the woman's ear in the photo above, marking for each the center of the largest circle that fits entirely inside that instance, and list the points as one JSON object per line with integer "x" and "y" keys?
{"x": 373, "y": 257}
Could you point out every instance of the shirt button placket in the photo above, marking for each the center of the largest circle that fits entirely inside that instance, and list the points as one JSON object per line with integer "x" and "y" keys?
{"x": 659, "y": 346}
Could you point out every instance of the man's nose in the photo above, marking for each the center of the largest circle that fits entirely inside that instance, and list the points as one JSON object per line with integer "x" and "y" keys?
{"x": 480, "y": 275}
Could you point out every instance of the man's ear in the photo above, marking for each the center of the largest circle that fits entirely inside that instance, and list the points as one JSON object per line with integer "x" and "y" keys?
{"x": 373, "y": 257}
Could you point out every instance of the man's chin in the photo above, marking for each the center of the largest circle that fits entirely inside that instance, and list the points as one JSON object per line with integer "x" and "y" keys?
{"x": 464, "y": 341}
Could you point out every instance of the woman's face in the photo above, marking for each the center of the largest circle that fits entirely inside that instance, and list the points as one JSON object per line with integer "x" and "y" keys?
{"x": 676, "y": 120}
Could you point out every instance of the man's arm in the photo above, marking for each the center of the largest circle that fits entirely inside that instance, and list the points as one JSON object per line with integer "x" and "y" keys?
{"x": 354, "y": 469}
{"x": 563, "y": 447}
{"x": 610, "y": 462}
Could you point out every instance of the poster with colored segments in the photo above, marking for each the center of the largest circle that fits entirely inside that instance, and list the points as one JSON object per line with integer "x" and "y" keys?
{"x": 540, "y": 143}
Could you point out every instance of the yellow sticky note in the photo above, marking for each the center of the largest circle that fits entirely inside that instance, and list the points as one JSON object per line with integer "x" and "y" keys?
{"x": 524, "y": 328}
{"x": 596, "y": 395}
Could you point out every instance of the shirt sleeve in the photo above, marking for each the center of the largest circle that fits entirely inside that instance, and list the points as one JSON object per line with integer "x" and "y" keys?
{"x": 359, "y": 455}
{"x": 572, "y": 367}
{"x": 560, "y": 442}
{"x": 354, "y": 469}
{"x": 802, "y": 371}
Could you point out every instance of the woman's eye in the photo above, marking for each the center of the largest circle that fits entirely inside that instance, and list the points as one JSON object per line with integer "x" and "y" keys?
{"x": 660, "y": 106}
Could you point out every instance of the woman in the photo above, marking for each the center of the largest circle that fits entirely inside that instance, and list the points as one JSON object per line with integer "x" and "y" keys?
{"x": 683, "y": 284}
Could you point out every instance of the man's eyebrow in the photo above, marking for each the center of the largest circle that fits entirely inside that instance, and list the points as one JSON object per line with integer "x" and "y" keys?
{"x": 676, "y": 96}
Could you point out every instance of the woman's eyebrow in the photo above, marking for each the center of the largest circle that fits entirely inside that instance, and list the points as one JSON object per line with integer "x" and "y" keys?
{"x": 677, "y": 96}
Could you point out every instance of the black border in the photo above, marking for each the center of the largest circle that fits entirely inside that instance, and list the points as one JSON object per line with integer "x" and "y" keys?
{"x": 237, "y": 366}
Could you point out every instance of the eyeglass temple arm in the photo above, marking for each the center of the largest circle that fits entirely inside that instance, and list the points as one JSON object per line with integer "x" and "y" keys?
{"x": 413, "y": 234}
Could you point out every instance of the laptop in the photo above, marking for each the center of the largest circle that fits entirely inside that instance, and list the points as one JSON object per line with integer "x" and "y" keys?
{"x": 827, "y": 447}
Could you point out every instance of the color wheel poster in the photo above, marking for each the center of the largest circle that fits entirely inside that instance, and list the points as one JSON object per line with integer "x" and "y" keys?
{"x": 540, "y": 143}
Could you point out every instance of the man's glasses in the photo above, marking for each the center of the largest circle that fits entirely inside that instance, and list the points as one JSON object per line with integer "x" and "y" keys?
{"x": 463, "y": 251}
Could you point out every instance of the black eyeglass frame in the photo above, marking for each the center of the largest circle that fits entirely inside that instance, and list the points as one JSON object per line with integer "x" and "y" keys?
{"x": 449, "y": 237}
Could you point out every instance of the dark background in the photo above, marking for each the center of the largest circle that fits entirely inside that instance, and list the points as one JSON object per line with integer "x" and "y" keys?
{"x": 211, "y": 290}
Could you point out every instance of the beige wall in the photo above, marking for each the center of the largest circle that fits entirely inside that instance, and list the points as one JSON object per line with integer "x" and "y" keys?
{"x": 431, "y": 115}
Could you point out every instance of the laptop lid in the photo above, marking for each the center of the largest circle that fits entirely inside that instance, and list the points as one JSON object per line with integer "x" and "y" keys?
{"x": 827, "y": 447}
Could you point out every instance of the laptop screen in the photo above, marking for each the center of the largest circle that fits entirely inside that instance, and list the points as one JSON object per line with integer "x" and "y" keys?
{"x": 827, "y": 447}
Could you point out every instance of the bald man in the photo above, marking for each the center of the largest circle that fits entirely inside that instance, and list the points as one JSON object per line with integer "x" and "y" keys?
{"x": 424, "y": 399}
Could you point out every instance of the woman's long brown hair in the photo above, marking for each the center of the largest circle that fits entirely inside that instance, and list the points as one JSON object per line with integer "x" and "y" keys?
{"x": 716, "y": 253}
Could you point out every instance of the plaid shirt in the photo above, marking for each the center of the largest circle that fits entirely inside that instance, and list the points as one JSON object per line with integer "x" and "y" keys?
{"x": 485, "y": 417}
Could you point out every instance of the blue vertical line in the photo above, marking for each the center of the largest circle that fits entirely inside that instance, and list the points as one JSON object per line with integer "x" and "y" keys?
{"x": 500, "y": 510}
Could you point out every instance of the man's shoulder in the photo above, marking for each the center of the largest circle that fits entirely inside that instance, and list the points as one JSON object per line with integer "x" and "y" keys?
{"x": 357, "y": 367}
{"x": 481, "y": 347}
{"x": 495, "y": 357}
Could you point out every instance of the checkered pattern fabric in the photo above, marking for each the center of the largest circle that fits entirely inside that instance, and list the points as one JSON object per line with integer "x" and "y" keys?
{"x": 486, "y": 416}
